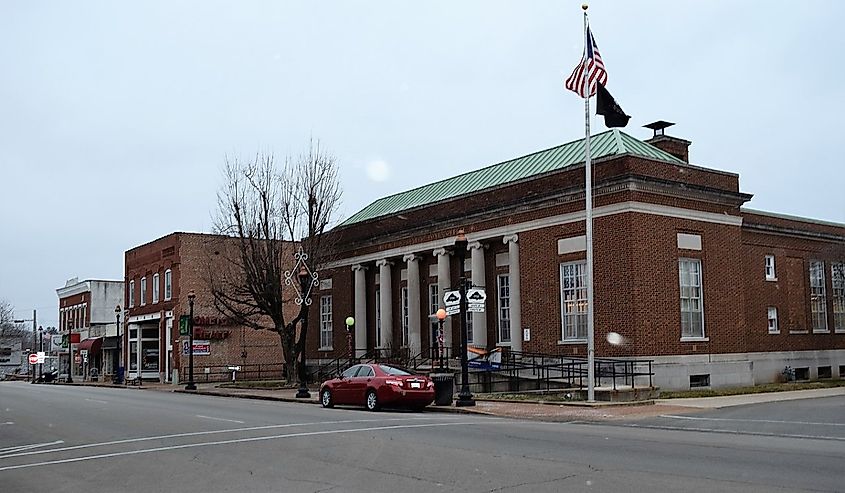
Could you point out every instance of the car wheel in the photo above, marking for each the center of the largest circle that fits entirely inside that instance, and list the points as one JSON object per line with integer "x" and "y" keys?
{"x": 372, "y": 400}
{"x": 326, "y": 398}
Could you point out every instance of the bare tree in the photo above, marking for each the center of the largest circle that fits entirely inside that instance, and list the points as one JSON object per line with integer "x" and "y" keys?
{"x": 267, "y": 212}
{"x": 8, "y": 327}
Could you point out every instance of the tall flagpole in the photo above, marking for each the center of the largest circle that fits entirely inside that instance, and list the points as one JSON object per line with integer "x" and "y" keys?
{"x": 588, "y": 194}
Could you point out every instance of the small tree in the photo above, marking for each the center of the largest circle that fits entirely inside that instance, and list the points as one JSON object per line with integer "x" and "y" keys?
{"x": 268, "y": 212}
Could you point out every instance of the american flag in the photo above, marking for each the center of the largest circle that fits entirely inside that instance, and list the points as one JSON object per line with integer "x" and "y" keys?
{"x": 589, "y": 71}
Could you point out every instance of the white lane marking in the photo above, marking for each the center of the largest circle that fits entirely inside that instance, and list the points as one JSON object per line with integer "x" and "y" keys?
{"x": 737, "y": 432}
{"x": 212, "y": 432}
{"x": 8, "y": 423}
{"x": 95, "y": 400}
{"x": 18, "y": 448}
{"x": 770, "y": 421}
{"x": 227, "y": 442}
{"x": 219, "y": 419}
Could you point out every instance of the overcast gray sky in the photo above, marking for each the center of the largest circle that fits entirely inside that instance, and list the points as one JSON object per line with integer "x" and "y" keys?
{"x": 115, "y": 116}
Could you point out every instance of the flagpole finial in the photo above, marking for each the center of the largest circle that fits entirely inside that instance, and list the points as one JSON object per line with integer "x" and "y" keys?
{"x": 584, "y": 7}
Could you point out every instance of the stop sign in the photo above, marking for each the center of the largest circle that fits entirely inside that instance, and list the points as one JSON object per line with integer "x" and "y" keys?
{"x": 33, "y": 358}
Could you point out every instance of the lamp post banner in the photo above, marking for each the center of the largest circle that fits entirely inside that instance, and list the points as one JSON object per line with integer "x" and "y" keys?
{"x": 201, "y": 347}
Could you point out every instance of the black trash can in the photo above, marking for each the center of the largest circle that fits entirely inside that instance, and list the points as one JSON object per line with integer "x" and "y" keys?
{"x": 444, "y": 388}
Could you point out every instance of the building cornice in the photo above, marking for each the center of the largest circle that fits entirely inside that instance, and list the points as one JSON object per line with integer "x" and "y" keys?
{"x": 545, "y": 222}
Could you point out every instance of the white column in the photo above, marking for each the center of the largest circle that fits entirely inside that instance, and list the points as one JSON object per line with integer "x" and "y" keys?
{"x": 444, "y": 283}
{"x": 479, "y": 319}
{"x": 516, "y": 306}
{"x": 386, "y": 302}
{"x": 414, "y": 332}
{"x": 360, "y": 310}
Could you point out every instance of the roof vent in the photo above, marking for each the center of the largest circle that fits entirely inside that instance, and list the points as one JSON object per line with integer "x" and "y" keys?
{"x": 673, "y": 145}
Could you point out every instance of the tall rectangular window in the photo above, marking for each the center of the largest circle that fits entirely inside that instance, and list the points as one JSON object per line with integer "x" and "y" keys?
{"x": 156, "y": 285}
{"x": 143, "y": 291}
{"x": 168, "y": 285}
{"x": 692, "y": 307}
{"x": 772, "y": 314}
{"x": 433, "y": 306}
{"x": 378, "y": 318}
{"x": 770, "y": 268}
{"x": 131, "y": 293}
{"x": 325, "y": 322}
{"x": 573, "y": 296}
{"x": 818, "y": 297}
{"x": 405, "y": 317}
{"x": 504, "y": 292}
{"x": 837, "y": 276}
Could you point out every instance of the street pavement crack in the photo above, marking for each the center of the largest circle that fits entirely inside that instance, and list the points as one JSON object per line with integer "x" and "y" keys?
{"x": 531, "y": 483}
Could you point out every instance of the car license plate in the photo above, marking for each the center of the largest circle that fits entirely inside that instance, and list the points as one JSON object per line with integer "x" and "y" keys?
{"x": 416, "y": 385}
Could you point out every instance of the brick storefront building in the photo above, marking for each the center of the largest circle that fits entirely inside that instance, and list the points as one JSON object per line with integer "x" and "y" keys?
{"x": 712, "y": 292}
{"x": 159, "y": 276}
{"x": 88, "y": 309}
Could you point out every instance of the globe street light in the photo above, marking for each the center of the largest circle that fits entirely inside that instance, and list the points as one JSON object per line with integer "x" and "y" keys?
{"x": 441, "y": 317}
{"x": 465, "y": 396}
{"x": 191, "y": 385}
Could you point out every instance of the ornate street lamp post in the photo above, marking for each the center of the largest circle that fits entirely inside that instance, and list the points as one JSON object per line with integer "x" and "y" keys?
{"x": 307, "y": 280}
{"x": 40, "y": 350}
{"x": 304, "y": 284}
{"x": 69, "y": 352}
{"x": 191, "y": 385}
{"x": 464, "y": 396}
{"x": 117, "y": 376}
{"x": 441, "y": 317}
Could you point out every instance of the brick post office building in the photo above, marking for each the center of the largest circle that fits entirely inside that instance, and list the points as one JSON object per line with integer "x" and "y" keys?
{"x": 715, "y": 294}
{"x": 159, "y": 276}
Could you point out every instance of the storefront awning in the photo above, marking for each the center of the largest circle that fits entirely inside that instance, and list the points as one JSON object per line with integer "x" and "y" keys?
{"x": 92, "y": 345}
{"x": 110, "y": 343}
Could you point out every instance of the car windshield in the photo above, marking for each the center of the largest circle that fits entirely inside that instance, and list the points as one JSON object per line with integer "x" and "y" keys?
{"x": 393, "y": 371}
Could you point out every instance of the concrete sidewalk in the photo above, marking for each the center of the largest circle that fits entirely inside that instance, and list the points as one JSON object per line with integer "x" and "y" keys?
{"x": 741, "y": 400}
{"x": 538, "y": 410}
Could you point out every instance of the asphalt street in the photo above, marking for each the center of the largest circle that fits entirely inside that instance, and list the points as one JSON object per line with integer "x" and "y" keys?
{"x": 73, "y": 439}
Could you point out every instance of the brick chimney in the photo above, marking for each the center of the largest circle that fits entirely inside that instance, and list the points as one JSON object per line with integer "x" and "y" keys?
{"x": 673, "y": 145}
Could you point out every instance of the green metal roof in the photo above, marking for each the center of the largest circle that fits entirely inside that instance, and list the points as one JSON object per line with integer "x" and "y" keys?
{"x": 609, "y": 143}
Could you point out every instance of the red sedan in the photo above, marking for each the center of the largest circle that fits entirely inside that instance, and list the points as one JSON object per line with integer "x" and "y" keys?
{"x": 375, "y": 385}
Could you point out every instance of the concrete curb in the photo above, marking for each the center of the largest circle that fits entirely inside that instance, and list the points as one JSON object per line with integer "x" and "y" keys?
{"x": 439, "y": 409}
{"x": 570, "y": 403}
